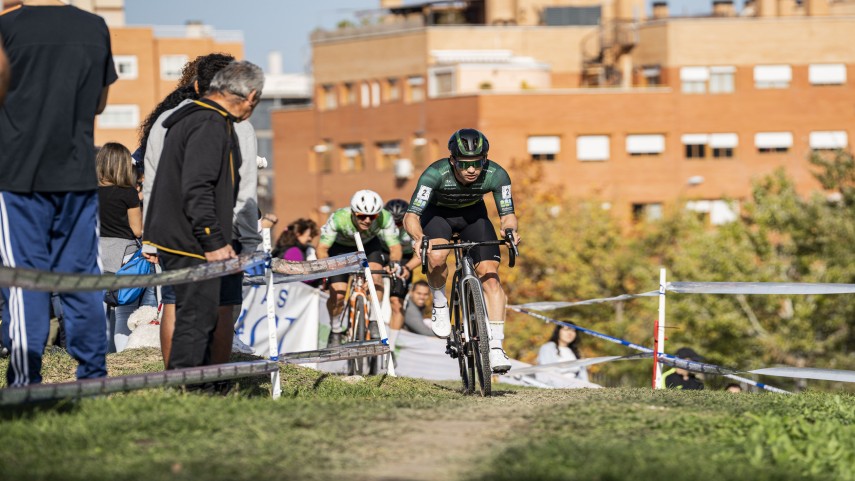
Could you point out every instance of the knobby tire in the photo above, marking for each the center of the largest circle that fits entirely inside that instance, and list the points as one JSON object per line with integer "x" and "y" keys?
{"x": 479, "y": 330}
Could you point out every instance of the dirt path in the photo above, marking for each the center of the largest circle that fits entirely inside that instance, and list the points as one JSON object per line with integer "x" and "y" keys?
{"x": 447, "y": 445}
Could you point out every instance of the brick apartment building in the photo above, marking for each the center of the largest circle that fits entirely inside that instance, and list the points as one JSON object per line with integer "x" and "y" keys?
{"x": 148, "y": 61}
{"x": 629, "y": 110}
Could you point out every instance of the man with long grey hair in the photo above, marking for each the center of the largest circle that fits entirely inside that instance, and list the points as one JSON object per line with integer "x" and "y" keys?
{"x": 189, "y": 219}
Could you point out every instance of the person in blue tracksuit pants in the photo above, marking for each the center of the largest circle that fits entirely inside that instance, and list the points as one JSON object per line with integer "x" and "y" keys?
{"x": 61, "y": 64}
{"x": 51, "y": 232}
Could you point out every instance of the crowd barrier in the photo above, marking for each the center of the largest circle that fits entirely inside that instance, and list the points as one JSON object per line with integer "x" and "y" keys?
{"x": 658, "y": 351}
{"x": 275, "y": 271}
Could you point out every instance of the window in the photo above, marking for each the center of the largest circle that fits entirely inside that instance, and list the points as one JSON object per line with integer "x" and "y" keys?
{"x": 375, "y": 93}
{"x": 718, "y": 211}
{"x": 330, "y": 102}
{"x": 365, "y": 95}
{"x": 773, "y": 142}
{"x": 387, "y": 154}
{"x": 695, "y": 145}
{"x": 348, "y": 93}
{"x": 694, "y": 79}
{"x": 652, "y": 75}
{"x": 393, "y": 90}
{"x": 592, "y": 147}
{"x": 119, "y": 117}
{"x": 544, "y": 147}
{"x": 827, "y": 74}
{"x": 721, "y": 80}
{"x": 321, "y": 158}
{"x": 126, "y": 66}
{"x": 416, "y": 89}
{"x": 829, "y": 140}
{"x": 646, "y": 212}
{"x": 652, "y": 144}
{"x": 171, "y": 66}
{"x": 420, "y": 151}
{"x": 352, "y": 158}
{"x": 442, "y": 82}
{"x": 723, "y": 145}
{"x": 772, "y": 76}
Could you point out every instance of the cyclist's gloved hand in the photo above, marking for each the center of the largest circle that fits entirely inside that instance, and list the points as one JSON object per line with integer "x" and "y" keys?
{"x": 395, "y": 268}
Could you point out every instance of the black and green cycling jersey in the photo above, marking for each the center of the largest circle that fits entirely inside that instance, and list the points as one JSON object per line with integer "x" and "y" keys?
{"x": 439, "y": 186}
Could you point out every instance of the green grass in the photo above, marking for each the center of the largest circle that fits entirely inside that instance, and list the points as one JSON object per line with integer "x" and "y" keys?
{"x": 327, "y": 428}
{"x": 675, "y": 435}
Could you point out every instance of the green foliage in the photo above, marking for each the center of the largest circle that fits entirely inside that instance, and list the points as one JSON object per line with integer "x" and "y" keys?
{"x": 640, "y": 434}
{"x": 576, "y": 251}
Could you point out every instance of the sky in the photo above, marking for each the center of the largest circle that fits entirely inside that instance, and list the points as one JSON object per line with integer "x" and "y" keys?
{"x": 267, "y": 25}
{"x": 285, "y": 25}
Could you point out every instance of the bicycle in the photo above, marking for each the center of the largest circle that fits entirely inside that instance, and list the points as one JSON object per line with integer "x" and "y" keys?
{"x": 357, "y": 307}
{"x": 469, "y": 341}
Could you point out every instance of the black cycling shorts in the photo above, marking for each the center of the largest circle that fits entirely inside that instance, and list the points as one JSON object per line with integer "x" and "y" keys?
{"x": 373, "y": 250}
{"x": 471, "y": 223}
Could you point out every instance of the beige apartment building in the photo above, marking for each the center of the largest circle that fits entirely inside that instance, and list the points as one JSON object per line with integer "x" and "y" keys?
{"x": 631, "y": 110}
{"x": 148, "y": 61}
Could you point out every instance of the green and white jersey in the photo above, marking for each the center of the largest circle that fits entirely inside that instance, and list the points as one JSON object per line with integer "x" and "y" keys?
{"x": 439, "y": 186}
{"x": 339, "y": 229}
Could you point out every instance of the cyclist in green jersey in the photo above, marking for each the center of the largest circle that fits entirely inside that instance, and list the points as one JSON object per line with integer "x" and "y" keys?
{"x": 449, "y": 199}
{"x": 367, "y": 216}
{"x": 401, "y": 282}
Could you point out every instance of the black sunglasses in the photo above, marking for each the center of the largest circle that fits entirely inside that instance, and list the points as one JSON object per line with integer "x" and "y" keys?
{"x": 466, "y": 164}
{"x": 366, "y": 216}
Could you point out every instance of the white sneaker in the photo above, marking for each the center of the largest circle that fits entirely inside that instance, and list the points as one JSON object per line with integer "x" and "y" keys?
{"x": 499, "y": 360}
{"x": 440, "y": 322}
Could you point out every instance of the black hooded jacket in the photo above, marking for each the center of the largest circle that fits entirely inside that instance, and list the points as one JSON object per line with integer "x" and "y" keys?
{"x": 194, "y": 193}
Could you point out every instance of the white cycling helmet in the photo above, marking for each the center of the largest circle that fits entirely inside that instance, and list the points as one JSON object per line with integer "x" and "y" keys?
{"x": 366, "y": 202}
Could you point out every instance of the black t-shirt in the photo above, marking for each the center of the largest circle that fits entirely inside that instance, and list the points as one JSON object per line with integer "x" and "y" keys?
{"x": 60, "y": 60}
{"x": 113, "y": 205}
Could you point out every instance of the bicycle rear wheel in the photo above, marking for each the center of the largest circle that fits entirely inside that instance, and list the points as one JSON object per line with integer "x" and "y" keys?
{"x": 479, "y": 333}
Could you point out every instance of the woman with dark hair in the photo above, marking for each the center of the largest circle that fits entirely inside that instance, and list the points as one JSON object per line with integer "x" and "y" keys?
{"x": 563, "y": 346}
{"x": 196, "y": 77}
{"x": 294, "y": 244}
{"x": 121, "y": 225}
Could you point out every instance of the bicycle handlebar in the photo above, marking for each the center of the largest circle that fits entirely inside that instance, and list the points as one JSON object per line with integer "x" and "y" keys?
{"x": 513, "y": 252}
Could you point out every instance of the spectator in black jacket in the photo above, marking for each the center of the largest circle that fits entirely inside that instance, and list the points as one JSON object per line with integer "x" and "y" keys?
{"x": 189, "y": 218}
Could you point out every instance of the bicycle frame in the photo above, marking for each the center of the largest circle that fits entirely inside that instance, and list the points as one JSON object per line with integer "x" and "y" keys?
{"x": 470, "y": 348}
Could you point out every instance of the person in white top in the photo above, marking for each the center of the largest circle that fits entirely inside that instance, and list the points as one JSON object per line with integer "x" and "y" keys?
{"x": 563, "y": 346}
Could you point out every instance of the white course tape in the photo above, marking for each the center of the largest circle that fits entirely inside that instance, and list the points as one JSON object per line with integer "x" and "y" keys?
{"x": 549, "y": 306}
{"x": 297, "y": 271}
{"x": 808, "y": 373}
{"x": 780, "y": 288}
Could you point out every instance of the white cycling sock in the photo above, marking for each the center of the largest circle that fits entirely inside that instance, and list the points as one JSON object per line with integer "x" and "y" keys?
{"x": 439, "y": 299}
{"x": 497, "y": 333}
{"x": 393, "y": 335}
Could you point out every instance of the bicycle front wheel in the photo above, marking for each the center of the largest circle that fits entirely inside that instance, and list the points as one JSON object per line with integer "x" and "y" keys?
{"x": 479, "y": 334}
{"x": 360, "y": 329}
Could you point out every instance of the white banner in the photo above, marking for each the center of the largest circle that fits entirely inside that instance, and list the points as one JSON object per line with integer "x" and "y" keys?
{"x": 298, "y": 308}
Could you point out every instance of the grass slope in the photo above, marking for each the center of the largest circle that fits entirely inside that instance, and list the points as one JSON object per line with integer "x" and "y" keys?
{"x": 396, "y": 428}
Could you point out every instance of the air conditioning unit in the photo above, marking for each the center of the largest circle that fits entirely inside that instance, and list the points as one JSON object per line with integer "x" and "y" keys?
{"x": 403, "y": 169}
